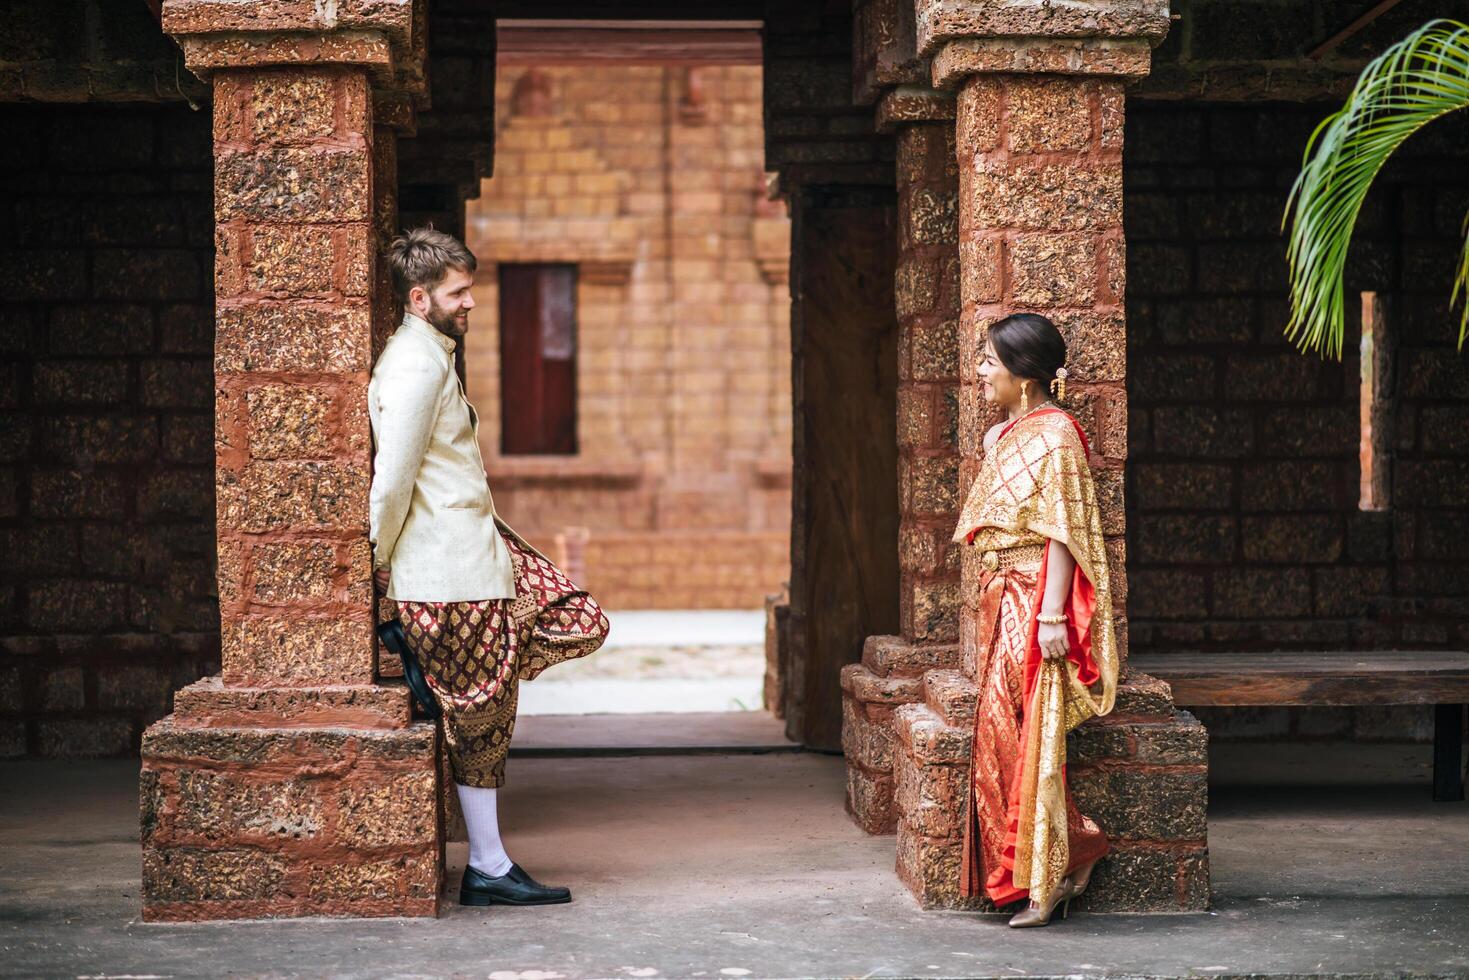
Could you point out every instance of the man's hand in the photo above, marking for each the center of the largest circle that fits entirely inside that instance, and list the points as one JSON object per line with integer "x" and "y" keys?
{"x": 1052, "y": 639}
{"x": 382, "y": 576}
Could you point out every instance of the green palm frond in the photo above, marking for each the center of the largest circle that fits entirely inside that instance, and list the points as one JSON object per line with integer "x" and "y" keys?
{"x": 1412, "y": 83}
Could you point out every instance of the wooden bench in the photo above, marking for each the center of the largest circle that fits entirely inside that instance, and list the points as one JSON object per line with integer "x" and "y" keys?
{"x": 1436, "y": 677}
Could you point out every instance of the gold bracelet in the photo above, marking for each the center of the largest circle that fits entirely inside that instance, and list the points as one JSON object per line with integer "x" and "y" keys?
{"x": 1052, "y": 620}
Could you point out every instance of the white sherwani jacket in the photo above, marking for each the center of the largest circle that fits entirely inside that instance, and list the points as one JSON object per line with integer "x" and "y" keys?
{"x": 432, "y": 517}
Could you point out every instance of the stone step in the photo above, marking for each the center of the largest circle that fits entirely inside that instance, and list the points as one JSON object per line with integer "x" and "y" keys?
{"x": 925, "y": 738}
{"x": 892, "y": 656}
{"x": 208, "y": 702}
{"x": 864, "y": 685}
{"x": 951, "y": 695}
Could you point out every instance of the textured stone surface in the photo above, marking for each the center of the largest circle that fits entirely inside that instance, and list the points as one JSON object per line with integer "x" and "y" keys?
{"x": 252, "y": 822}
{"x": 941, "y": 20}
{"x": 275, "y": 651}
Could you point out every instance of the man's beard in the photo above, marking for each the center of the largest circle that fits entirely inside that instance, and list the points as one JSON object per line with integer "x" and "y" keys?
{"x": 444, "y": 321}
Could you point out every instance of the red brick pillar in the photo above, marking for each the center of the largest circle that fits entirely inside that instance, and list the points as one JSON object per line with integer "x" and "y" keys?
{"x": 292, "y": 784}
{"x": 927, "y": 298}
{"x": 1039, "y": 154}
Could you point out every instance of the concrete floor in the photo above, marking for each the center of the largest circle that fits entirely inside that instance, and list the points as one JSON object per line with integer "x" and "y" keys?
{"x": 1326, "y": 859}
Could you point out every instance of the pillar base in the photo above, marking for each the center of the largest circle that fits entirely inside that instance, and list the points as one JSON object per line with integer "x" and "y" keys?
{"x": 889, "y": 676}
{"x": 1140, "y": 772}
{"x": 263, "y": 822}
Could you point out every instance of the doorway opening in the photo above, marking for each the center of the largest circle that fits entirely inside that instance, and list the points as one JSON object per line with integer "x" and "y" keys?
{"x": 630, "y": 359}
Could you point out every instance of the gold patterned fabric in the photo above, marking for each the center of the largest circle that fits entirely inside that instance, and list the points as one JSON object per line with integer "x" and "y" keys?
{"x": 474, "y": 654}
{"x": 1023, "y": 833}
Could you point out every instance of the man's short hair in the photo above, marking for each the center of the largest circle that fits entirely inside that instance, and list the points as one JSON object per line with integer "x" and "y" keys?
{"x": 423, "y": 257}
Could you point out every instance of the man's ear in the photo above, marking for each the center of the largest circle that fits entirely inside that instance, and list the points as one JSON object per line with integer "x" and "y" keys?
{"x": 416, "y": 295}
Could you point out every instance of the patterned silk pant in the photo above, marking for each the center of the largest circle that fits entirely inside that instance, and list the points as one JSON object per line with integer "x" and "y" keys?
{"x": 1006, "y": 608}
{"x": 474, "y": 655}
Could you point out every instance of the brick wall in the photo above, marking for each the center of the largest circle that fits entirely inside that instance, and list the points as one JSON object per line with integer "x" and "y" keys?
{"x": 1244, "y": 530}
{"x": 107, "y": 588}
{"x": 657, "y": 195}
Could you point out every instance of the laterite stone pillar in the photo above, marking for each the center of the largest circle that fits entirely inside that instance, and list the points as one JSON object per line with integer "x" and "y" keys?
{"x": 927, "y": 301}
{"x": 293, "y": 783}
{"x": 1039, "y": 153}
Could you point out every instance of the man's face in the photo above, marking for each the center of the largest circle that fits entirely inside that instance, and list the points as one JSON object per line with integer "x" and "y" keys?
{"x": 448, "y": 304}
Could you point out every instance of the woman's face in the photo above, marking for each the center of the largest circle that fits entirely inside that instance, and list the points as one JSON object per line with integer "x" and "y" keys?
{"x": 1000, "y": 386}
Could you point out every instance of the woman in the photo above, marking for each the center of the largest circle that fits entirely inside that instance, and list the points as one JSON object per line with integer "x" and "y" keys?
{"x": 1046, "y": 656}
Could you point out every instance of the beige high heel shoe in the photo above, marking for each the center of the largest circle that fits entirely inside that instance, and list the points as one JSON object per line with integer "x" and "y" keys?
{"x": 1080, "y": 878}
{"x": 1037, "y": 914}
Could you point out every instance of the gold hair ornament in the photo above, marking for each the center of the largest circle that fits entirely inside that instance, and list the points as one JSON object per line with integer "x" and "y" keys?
{"x": 1058, "y": 384}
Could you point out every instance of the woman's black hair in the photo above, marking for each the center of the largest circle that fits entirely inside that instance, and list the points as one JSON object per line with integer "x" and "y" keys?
{"x": 1029, "y": 346}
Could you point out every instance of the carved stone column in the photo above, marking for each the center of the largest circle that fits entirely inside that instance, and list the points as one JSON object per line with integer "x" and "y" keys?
{"x": 294, "y": 783}
{"x": 1039, "y": 154}
{"x": 890, "y": 75}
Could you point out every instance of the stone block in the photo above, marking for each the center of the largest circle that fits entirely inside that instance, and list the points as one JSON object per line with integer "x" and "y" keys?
{"x": 62, "y": 494}
{"x": 1261, "y": 593}
{"x": 85, "y": 738}
{"x": 146, "y": 274}
{"x": 89, "y": 440}
{"x": 930, "y": 484}
{"x": 934, "y": 351}
{"x": 1143, "y": 696}
{"x": 865, "y": 742}
{"x": 178, "y": 384}
{"x": 1048, "y": 196}
{"x": 1297, "y": 538}
{"x": 933, "y": 611}
{"x": 927, "y": 740}
{"x": 292, "y": 106}
{"x": 982, "y": 272}
{"x": 1053, "y": 269}
{"x": 255, "y": 822}
{"x": 870, "y": 800}
{"x": 1048, "y": 114}
{"x": 242, "y": 807}
{"x": 1096, "y": 344}
{"x": 276, "y": 651}
{"x": 198, "y": 875}
{"x": 1202, "y": 431}
{"x": 1167, "y": 594}
{"x": 892, "y": 656}
{"x": 293, "y": 337}
{"x": 77, "y": 382}
{"x": 290, "y": 260}
{"x": 1158, "y": 805}
{"x": 1149, "y": 879}
{"x": 176, "y": 493}
{"x": 208, "y": 703}
{"x": 952, "y": 696}
{"x": 137, "y": 687}
{"x": 1192, "y": 538}
{"x": 290, "y": 421}
{"x": 396, "y": 812}
{"x": 930, "y": 868}
{"x": 880, "y": 689}
{"x": 916, "y": 286}
{"x": 384, "y": 881}
{"x": 273, "y": 495}
{"x": 931, "y": 799}
{"x": 293, "y": 571}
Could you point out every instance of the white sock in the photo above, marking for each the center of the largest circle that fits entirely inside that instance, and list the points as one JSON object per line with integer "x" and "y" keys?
{"x": 482, "y": 819}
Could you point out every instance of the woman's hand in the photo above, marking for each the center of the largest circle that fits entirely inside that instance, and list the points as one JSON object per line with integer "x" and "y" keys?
{"x": 1053, "y": 641}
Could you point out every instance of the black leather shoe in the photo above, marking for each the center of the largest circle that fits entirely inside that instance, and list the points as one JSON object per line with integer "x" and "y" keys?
{"x": 514, "y": 887}
{"x": 392, "y": 636}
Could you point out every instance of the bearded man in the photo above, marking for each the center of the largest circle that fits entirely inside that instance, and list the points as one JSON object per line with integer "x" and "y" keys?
{"x": 480, "y": 609}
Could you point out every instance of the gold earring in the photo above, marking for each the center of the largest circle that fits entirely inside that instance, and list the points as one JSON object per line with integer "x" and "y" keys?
{"x": 1024, "y": 397}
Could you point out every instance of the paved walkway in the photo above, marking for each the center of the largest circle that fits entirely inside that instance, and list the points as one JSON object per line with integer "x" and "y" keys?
{"x": 1326, "y": 860}
{"x": 661, "y": 660}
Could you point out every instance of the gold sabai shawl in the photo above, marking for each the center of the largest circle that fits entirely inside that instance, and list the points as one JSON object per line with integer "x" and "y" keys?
{"x": 1035, "y": 482}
